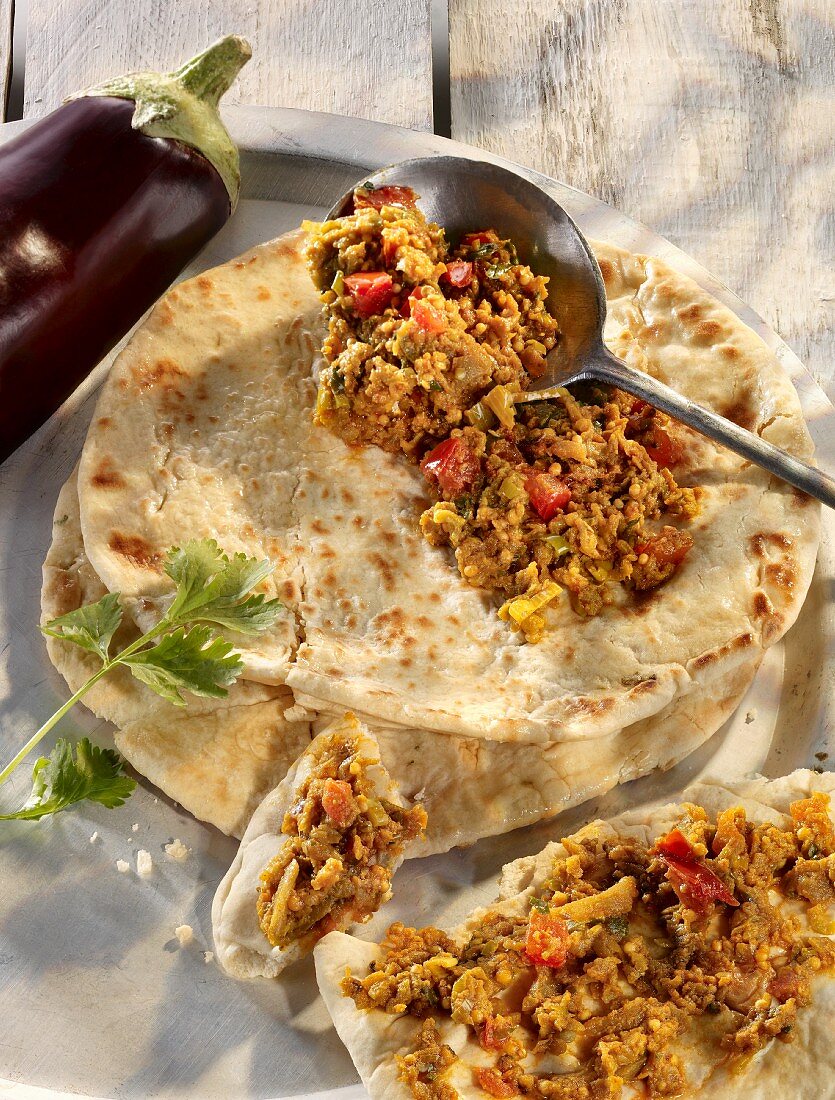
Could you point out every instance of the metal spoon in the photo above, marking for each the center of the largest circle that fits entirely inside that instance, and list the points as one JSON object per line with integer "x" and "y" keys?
{"x": 465, "y": 195}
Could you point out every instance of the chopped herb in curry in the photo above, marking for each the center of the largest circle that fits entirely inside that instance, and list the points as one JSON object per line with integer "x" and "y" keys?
{"x": 428, "y": 347}
{"x": 342, "y": 839}
{"x": 632, "y": 963}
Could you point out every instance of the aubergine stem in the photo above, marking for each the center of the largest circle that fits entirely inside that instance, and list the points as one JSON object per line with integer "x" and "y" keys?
{"x": 183, "y": 105}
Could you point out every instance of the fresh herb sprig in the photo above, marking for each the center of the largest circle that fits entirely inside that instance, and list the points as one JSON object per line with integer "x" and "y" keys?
{"x": 183, "y": 652}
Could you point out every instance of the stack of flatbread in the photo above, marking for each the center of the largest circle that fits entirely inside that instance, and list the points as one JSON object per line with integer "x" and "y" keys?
{"x": 204, "y": 429}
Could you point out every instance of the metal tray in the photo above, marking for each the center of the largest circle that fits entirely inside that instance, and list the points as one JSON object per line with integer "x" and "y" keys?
{"x": 98, "y": 997}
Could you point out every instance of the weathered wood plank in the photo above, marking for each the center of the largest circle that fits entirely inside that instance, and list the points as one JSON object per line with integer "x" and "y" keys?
{"x": 6, "y": 17}
{"x": 367, "y": 58}
{"x": 711, "y": 122}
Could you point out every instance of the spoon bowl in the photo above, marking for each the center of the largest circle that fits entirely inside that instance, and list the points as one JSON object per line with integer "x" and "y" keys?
{"x": 465, "y": 195}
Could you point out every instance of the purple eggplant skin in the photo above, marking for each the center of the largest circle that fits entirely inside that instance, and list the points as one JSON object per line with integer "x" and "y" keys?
{"x": 96, "y": 220}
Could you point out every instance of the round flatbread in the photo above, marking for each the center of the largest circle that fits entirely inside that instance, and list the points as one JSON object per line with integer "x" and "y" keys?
{"x": 204, "y": 429}
{"x": 216, "y": 757}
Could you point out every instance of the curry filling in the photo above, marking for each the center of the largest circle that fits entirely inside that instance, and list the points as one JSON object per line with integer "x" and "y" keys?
{"x": 334, "y": 867}
{"x": 633, "y": 962}
{"x": 427, "y": 349}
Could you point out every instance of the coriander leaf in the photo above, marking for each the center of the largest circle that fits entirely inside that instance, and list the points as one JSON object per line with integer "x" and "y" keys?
{"x": 59, "y": 781}
{"x": 194, "y": 660}
{"x": 253, "y": 615}
{"x": 92, "y": 627}
{"x": 212, "y": 588}
{"x": 495, "y": 271}
{"x": 192, "y": 567}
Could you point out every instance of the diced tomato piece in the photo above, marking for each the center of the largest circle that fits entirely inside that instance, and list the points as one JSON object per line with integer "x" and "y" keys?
{"x": 458, "y": 272}
{"x": 488, "y": 1038}
{"x": 494, "y": 1084}
{"x": 391, "y": 195}
{"x": 548, "y": 494}
{"x": 696, "y": 885}
{"x": 473, "y": 240}
{"x": 787, "y": 983}
{"x": 453, "y": 466}
{"x": 676, "y": 844}
{"x": 639, "y": 407}
{"x": 669, "y": 548}
{"x": 427, "y": 318}
{"x": 371, "y": 291}
{"x": 547, "y": 939}
{"x": 338, "y": 801}
{"x": 663, "y": 450}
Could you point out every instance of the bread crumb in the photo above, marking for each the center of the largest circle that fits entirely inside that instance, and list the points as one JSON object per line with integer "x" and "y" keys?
{"x": 177, "y": 851}
{"x": 122, "y": 866}
{"x": 208, "y": 956}
{"x": 135, "y": 827}
{"x": 144, "y": 863}
{"x": 184, "y": 933}
{"x": 94, "y": 838}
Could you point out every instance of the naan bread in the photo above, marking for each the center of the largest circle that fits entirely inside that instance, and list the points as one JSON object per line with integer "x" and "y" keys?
{"x": 803, "y": 1069}
{"x": 242, "y": 948}
{"x": 216, "y": 757}
{"x": 204, "y": 428}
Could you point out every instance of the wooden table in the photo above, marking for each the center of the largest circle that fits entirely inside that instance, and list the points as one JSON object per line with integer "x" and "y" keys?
{"x": 711, "y": 120}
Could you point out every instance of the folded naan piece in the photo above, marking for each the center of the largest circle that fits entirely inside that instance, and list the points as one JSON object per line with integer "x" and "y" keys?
{"x": 217, "y": 757}
{"x": 318, "y": 854}
{"x": 684, "y": 950}
{"x": 204, "y": 428}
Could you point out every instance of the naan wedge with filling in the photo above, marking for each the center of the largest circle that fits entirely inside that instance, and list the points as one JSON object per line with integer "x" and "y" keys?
{"x": 318, "y": 854}
{"x": 684, "y": 950}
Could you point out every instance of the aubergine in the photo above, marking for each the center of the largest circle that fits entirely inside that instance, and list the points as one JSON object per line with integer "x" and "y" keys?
{"x": 102, "y": 204}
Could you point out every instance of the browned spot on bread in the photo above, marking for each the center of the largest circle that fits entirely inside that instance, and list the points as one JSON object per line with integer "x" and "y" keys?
{"x": 761, "y": 540}
{"x": 106, "y": 476}
{"x": 319, "y": 527}
{"x": 800, "y": 498}
{"x": 708, "y": 330}
{"x": 424, "y": 621}
{"x": 757, "y": 543}
{"x": 773, "y": 628}
{"x": 263, "y": 294}
{"x": 606, "y": 270}
{"x": 782, "y": 575}
{"x": 325, "y": 493}
{"x": 741, "y": 641}
{"x": 348, "y": 496}
{"x": 162, "y": 373}
{"x": 741, "y": 413}
{"x": 762, "y": 605}
{"x": 358, "y": 521}
{"x": 384, "y": 566}
{"x": 289, "y": 590}
{"x": 327, "y": 552}
{"x": 406, "y": 662}
{"x": 329, "y": 579}
{"x": 730, "y": 351}
{"x": 135, "y": 549}
{"x": 690, "y": 313}
{"x": 205, "y": 283}
{"x": 434, "y": 597}
{"x": 105, "y": 422}
{"x": 583, "y": 705}
{"x": 388, "y": 537}
{"x": 351, "y": 621}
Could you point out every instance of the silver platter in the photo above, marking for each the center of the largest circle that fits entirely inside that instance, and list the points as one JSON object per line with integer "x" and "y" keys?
{"x": 99, "y": 999}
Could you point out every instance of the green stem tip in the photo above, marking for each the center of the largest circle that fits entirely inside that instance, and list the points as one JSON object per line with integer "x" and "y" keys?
{"x": 212, "y": 72}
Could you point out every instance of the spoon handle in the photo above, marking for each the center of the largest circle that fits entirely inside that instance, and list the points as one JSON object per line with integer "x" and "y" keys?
{"x": 777, "y": 461}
